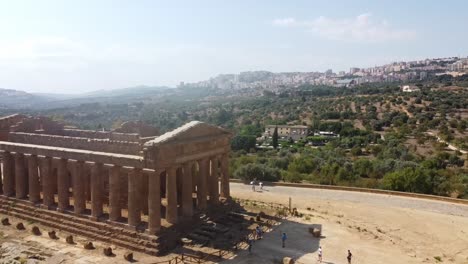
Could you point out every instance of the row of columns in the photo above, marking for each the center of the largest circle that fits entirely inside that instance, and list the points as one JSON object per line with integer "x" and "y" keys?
{"x": 21, "y": 179}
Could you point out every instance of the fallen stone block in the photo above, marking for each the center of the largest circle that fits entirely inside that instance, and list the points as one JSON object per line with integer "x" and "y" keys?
{"x": 5, "y": 221}
{"x": 88, "y": 245}
{"x": 316, "y": 232}
{"x": 128, "y": 256}
{"x": 52, "y": 234}
{"x": 35, "y": 230}
{"x": 69, "y": 239}
{"x": 107, "y": 251}
{"x": 20, "y": 226}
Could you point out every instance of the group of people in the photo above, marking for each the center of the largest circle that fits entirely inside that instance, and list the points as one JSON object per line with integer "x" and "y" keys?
{"x": 284, "y": 237}
{"x": 320, "y": 255}
{"x": 254, "y": 183}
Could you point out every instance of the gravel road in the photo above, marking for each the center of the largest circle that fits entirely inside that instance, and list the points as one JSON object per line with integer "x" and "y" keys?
{"x": 244, "y": 191}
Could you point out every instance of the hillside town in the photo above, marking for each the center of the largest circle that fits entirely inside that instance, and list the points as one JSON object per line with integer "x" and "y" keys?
{"x": 410, "y": 71}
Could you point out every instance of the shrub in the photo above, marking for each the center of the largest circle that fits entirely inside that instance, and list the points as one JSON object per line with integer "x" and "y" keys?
{"x": 292, "y": 176}
{"x": 257, "y": 171}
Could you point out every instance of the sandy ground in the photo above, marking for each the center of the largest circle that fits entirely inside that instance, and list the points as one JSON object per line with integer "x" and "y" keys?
{"x": 376, "y": 228}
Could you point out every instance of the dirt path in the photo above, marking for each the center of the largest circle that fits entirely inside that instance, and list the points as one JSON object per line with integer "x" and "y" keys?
{"x": 377, "y": 228}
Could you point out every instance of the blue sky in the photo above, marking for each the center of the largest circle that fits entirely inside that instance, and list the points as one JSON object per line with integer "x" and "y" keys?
{"x": 75, "y": 46}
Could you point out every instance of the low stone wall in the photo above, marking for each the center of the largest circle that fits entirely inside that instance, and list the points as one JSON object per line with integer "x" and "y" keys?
{"x": 366, "y": 190}
{"x": 102, "y": 145}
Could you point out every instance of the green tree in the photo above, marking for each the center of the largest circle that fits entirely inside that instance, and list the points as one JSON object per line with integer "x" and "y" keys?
{"x": 243, "y": 142}
{"x": 275, "y": 138}
{"x": 257, "y": 171}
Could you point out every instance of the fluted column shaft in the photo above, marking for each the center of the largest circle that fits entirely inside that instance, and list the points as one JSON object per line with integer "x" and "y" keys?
{"x": 202, "y": 184}
{"x": 154, "y": 202}
{"x": 187, "y": 199}
{"x": 115, "y": 212}
{"x": 96, "y": 191}
{"x": 225, "y": 191}
{"x": 46, "y": 180}
{"x": 78, "y": 187}
{"x": 62, "y": 185}
{"x": 20, "y": 176}
{"x": 171, "y": 195}
{"x": 8, "y": 174}
{"x": 34, "y": 185}
{"x": 134, "y": 207}
{"x": 1, "y": 162}
{"x": 214, "y": 183}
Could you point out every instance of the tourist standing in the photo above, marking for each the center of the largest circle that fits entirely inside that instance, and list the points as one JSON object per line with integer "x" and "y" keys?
{"x": 253, "y": 185}
{"x": 350, "y": 256}
{"x": 320, "y": 254}
{"x": 261, "y": 185}
{"x": 258, "y": 231}
{"x": 283, "y": 239}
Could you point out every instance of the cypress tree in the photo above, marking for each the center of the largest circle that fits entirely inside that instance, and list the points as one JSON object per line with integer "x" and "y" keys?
{"x": 275, "y": 138}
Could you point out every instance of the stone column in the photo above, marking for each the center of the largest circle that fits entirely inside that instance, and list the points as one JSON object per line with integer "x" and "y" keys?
{"x": 34, "y": 185}
{"x": 187, "y": 199}
{"x": 144, "y": 193}
{"x": 225, "y": 192}
{"x": 134, "y": 212}
{"x": 154, "y": 202}
{"x": 77, "y": 170}
{"x": 115, "y": 212}
{"x": 8, "y": 174}
{"x": 46, "y": 180}
{"x": 87, "y": 183}
{"x": 62, "y": 185}
{"x": 20, "y": 176}
{"x": 201, "y": 188}
{"x": 171, "y": 195}
{"x": 96, "y": 191}
{"x": 214, "y": 182}
{"x": 1, "y": 174}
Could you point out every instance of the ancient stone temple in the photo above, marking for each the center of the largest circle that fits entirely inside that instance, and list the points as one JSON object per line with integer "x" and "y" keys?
{"x": 117, "y": 179}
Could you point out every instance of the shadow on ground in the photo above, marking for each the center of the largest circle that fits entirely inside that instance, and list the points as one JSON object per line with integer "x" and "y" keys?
{"x": 269, "y": 249}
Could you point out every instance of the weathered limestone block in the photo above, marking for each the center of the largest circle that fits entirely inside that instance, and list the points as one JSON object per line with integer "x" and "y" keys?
{"x": 20, "y": 226}
{"x": 316, "y": 232}
{"x": 5, "y": 221}
{"x": 52, "y": 234}
{"x": 35, "y": 230}
{"x": 288, "y": 260}
{"x": 88, "y": 245}
{"x": 128, "y": 256}
{"x": 69, "y": 239}
{"x": 107, "y": 251}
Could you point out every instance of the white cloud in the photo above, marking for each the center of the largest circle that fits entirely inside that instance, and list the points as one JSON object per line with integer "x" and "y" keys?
{"x": 362, "y": 28}
{"x": 284, "y": 21}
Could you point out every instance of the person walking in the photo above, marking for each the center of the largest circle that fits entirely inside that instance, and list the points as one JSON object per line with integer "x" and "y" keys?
{"x": 253, "y": 185}
{"x": 249, "y": 244}
{"x": 320, "y": 254}
{"x": 349, "y": 257}
{"x": 261, "y": 185}
{"x": 283, "y": 239}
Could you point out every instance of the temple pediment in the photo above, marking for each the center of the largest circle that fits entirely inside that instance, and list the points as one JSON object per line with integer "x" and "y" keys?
{"x": 192, "y": 131}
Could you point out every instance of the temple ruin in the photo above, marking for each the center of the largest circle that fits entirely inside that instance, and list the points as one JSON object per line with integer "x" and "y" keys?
{"x": 111, "y": 183}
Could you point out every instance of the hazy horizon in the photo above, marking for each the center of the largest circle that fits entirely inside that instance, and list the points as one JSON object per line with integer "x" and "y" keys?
{"x": 75, "y": 47}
